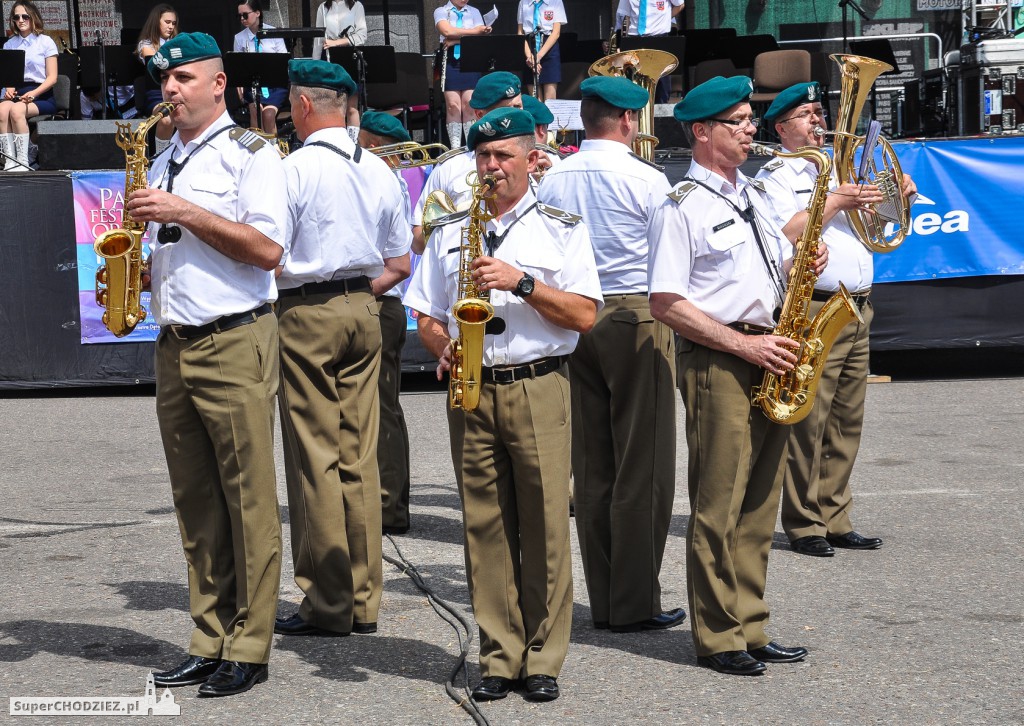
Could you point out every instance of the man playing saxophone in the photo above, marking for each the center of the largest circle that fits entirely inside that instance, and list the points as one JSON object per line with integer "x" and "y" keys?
{"x": 511, "y": 454}
{"x": 716, "y": 275}
{"x": 218, "y": 205}
{"x": 816, "y": 498}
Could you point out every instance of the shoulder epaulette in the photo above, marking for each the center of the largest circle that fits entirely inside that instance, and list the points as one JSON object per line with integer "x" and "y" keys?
{"x": 249, "y": 139}
{"x": 773, "y": 165}
{"x": 560, "y": 214}
{"x": 757, "y": 184}
{"x": 449, "y": 218}
{"x": 678, "y": 194}
{"x": 450, "y": 154}
{"x": 649, "y": 163}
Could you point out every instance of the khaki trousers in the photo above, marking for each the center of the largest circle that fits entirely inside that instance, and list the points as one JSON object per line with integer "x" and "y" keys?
{"x": 816, "y": 498}
{"x": 623, "y": 457}
{"x": 511, "y": 458}
{"x": 393, "y": 444}
{"x": 330, "y": 357}
{"x": 736, "y": 458}
{"x": 215, "y": 407}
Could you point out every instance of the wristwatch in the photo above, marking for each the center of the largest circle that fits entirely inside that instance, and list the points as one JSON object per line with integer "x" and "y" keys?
{"x": 525, "y": 286}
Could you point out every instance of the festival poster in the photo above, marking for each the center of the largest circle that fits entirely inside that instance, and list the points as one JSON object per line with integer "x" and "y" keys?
{"x": 99, "y": 207}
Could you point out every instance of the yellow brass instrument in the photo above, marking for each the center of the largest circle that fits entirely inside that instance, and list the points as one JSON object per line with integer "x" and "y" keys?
{"x": 278, "y": 142}
{"x": 858, "y": 74}
{"x": 472, "y": 310}
{"x": 119, "y": 280}
{"x": 437, "y": 206}
{"x": 407, "y": 154}
{"x": 788, "y": 397}
{"x": 645, "y": 67}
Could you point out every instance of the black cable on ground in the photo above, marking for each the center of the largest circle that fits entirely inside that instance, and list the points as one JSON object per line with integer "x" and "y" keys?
{"x": 454, "y": 618}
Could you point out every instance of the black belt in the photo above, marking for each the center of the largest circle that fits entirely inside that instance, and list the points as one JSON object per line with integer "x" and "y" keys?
{"x": 511, "y": 374}
{"x": 858, "y": 297}
{"x": 349, "y": 284}
{"x": 749, "y": 329}
{"x": 226, "y": 322}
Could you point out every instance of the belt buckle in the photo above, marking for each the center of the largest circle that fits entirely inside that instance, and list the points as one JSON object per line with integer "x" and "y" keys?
{"x": 176, "y": 331}
{"x": 503, "y": 376}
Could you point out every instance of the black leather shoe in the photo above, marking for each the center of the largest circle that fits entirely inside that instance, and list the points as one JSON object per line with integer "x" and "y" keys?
{"x": 668, "y": 619}
{"x": 364, "y": 628}
{"x": 601, "y": 625}
{"x": 775, "y": 653}
{"x": 733, "y": 663}
{"x": 389, "y": 529}
{"x": 541, "y": 688}
{"x": 855, "y": 541}
{"x": 295, "y": 625}
{"x": 492, "y": 688}
{"x": 814, "y": 545}
{"x": 234, "y": 677}
{"x": 195, "y": 669}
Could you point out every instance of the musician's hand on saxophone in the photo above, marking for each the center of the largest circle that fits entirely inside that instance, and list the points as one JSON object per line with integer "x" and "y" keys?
{"x": 444, "y": 363}
{"x": 156, "y": 205}
{"x": 493, "y": 274}
{"x": 820, "y": 261}
{"x": 772, "y": 352}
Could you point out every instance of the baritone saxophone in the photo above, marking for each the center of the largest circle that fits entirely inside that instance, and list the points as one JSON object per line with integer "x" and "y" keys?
{"x": 119, "y": 279}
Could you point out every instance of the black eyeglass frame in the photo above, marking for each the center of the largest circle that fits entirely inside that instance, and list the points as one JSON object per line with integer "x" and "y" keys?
{"x": 755, "y": 121}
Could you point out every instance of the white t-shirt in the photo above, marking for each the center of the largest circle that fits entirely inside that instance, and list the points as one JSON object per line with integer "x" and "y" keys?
{"x": 338, "y": 19}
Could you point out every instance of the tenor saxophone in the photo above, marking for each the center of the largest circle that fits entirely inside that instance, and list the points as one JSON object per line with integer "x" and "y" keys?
{"x": 119, "y": 280}
{"x": 473, "y": 309}
{"x": 788, "y": 397}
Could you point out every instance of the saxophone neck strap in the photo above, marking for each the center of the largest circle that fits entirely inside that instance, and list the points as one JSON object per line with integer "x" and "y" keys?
{"x": 494, "y": 240}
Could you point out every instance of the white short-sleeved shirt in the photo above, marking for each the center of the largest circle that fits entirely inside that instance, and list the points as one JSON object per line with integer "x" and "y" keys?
{"x": 37, "y": 49}
{"x": 193, "y": 283}
{"x": 246, "y": 42}
{"x": 551, "y": 12}
{"x": 345, "y": 217}
{"x": 471, "y": 17}
{"x": 790, "y": 185}
{"x": 338, "y": 19}
{"x": 450, "y": 178}
{"x": 555, "y": 253}
{"x": 396, "y": 291}
{"x": 659, "y": 16}
{"x": 147, "y": 43}
{"x": 617, "y": 194}
{"x": 702, "y": 250}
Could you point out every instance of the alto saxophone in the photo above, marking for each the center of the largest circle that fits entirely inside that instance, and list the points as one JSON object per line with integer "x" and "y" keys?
{"x": 119, "y": 280}
{"x": 472, "y": 310}
{"x": 788, "y": 397}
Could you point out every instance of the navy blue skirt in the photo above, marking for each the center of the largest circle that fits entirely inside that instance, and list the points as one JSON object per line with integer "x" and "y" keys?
{"x": 455, "y": 78}
{"x": 275, "y": 98}
{"x": 550, "y": 66}
{"x": 44, "y": 102}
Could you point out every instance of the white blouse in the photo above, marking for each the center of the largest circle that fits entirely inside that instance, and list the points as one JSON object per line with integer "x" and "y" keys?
{"x": 338, "y": 19}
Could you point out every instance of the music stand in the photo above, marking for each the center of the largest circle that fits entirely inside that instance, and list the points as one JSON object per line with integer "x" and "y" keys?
{"x": 747, "y": 47}
{"x": 255, "y": 71}
{"x": 107, "y": 66}
{"x": 12, "y": 75}
{"x": 489, "y": 53}
{"x": 708, "y": 44}
{"x": 367, "y": 64}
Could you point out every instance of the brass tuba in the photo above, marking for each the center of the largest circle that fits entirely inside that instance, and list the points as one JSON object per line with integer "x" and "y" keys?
{"x": 119, "y": 280}
{"x": 788, "y": 397}
{"x": 472, "y": 310}
{"x": 858, "y": 74}
{"x": 644, "y": 67}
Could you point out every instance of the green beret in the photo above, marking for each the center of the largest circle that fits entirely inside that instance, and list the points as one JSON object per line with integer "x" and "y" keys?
{"x": 615, "y": 90}
{"x": 542, "y": 115}
{"x": 790, "y": 98}
{"x": 495, "y": 87}
{"x": 712, "y": 97}
{"x": 181, "y": 49}
{"x": 501, "y": 123}
{"x": 384, "y": 124}
{"x": 320, "y": 74}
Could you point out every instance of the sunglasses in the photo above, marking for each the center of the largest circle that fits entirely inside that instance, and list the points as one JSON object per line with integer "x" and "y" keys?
{"x": 243, "y": 16}
{"x": 18, "y": 16}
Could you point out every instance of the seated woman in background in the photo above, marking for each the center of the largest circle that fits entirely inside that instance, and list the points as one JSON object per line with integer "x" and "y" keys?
{"x": 35, "y": 95}
{"x": 271, "y": 99}
{"x": 344, "y": 24}
{"x": 161, "y": 26}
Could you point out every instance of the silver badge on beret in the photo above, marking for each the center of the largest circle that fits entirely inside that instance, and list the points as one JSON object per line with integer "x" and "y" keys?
{"x": 160, "y": 61}
{"x": 510, "y": 92}
{"x": 486, "y": 128}
{"x": 505, "y": 123}
{"x": 810, "y": 93}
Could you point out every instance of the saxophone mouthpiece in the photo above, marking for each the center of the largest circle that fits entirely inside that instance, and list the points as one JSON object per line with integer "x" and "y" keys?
{"x": 487, "y": 184}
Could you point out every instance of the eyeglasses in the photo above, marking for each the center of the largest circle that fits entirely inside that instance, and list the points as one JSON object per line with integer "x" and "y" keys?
{"x": 737, "y": 123}
{"x": 18, "y": 16}
{"x": 803, "y": 115}
{"x": 243, "y": 16}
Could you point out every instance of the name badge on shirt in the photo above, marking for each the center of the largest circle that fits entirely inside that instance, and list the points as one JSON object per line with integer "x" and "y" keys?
{"x": 723, "y": 225}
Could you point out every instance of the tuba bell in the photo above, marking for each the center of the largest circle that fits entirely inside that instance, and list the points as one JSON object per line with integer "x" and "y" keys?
{"x": 872, "y": 226}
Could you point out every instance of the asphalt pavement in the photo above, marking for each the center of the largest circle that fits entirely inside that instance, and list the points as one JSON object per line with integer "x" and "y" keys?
{"x": 926, "y": 630}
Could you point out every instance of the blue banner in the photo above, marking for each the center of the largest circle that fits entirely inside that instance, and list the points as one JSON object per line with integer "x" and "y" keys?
{"x": 966, "y": 220}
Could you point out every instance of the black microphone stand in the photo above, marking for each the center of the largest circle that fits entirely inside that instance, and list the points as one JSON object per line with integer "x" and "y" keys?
{"x": 361, "y": 73}
{"x": 536, "y": 74}
{"x": 859, "y": 10}
{"x": 103, "y": 74}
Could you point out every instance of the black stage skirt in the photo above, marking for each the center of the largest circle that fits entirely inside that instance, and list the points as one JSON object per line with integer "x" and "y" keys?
{"x": 455, "y": 78}
{"x": 44, "y": 102}
{"x": 550, "y": 65}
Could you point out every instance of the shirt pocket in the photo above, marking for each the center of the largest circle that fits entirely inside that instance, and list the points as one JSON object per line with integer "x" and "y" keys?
{"x": 723, "y": 247}
{"x": 215, "y": 194}
{"x": 542, "y": 264}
